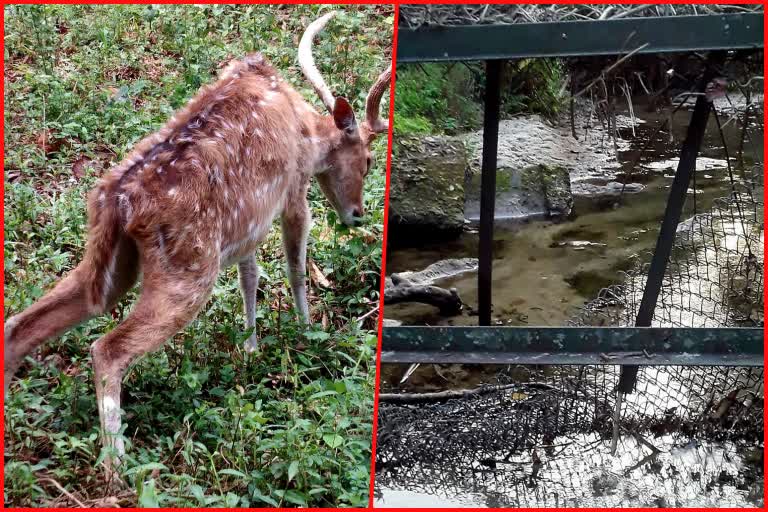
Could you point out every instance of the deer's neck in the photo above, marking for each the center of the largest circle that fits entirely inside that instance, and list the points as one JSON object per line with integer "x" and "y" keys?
{"x": 325, "y": 137}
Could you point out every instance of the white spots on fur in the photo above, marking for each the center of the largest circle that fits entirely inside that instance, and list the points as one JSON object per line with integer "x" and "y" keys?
{"x": 172, "y": 192}
{"x": 102, "y": 198}
{"x": 125, "y": 206}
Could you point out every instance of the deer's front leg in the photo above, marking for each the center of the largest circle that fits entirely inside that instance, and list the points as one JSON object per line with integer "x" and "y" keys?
{"x": 249, "y": 284}
{"x": 295, "y": 223}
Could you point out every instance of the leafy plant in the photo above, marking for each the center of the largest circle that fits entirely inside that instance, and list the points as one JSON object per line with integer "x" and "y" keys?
{"x": 448, "y": 98}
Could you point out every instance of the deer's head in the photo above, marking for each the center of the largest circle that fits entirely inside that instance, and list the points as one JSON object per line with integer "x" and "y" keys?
{"x": 348, "y": 158}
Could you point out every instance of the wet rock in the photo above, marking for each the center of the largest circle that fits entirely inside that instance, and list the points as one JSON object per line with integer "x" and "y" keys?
{"x": 526, "y": 141}
{"x": 600, "y": 189}
{"x": 427, "y": 188}
{"x": 539, "y": 191}
{"x": 437, "y": 271}
{"x": 579, "y": 245}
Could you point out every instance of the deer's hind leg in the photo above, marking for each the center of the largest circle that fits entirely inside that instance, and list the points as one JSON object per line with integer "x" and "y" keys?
{"x": 69, "y": 303}
{"x": 170, "y": 299}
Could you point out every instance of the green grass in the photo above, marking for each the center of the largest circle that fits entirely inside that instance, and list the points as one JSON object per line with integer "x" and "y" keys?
{"x": 207, "y": 424}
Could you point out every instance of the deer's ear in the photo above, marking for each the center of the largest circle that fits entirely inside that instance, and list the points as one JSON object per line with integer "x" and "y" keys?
{"x": 343, "y": 115}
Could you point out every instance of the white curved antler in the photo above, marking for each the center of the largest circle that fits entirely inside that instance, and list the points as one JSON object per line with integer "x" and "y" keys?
{"x": 307, "y": 62}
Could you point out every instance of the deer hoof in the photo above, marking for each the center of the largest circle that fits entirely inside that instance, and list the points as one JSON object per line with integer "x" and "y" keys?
{"x": 115, "y": 482}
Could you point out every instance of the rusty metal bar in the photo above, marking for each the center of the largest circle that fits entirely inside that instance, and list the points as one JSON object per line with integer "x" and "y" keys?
{"x": 574, "y": 345}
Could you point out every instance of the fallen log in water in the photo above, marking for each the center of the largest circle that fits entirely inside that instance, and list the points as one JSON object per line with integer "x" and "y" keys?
{"x": 403, "y": 290}
{"x": 419, "y": 286}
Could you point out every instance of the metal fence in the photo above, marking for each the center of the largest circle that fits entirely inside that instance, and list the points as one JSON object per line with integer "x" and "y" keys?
{"x": 629, "y": 406}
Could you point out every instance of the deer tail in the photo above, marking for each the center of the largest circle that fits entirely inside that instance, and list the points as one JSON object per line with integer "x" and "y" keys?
{"x": 105, "y": 228}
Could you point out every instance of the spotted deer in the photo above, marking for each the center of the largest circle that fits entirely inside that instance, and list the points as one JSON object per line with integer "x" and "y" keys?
{"x": 197, "y": 196}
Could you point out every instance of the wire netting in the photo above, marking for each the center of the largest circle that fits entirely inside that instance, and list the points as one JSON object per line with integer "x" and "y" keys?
{"x": 546, "y": 441}
{"x": 479, "y": 14}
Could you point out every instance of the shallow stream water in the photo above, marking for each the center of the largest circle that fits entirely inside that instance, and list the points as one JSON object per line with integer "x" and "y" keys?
{"x": 544, "y": 271}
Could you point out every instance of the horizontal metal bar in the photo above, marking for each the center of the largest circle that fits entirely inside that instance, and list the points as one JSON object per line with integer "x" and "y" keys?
{"x": 574, "y": 345}
{"x": 581, "y": 38}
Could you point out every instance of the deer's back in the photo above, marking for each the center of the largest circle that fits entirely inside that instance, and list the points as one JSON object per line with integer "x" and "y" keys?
{"x": 217, "y": 173}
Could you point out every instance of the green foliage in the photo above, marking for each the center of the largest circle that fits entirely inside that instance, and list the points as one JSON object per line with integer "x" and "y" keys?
{"x": 436, "y": 98}
{"x": 207, "y": 424}
{"x": 448, "y": 98}
{"x": 533, "y": 86}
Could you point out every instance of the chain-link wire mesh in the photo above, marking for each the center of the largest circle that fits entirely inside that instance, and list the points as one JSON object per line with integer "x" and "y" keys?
{"x": 417, "y": 15}
{"x": 685, "y": 432}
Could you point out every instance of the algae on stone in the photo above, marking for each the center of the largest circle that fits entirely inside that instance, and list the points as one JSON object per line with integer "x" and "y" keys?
{"x": 530, "y": 192}
{"x": 427, "y": 186}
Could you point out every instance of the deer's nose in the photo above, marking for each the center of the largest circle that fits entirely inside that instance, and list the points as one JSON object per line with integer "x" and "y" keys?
{"x": 357, "y": 216}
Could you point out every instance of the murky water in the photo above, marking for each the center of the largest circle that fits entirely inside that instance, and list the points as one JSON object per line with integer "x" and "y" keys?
{"x": 544, "y": 271}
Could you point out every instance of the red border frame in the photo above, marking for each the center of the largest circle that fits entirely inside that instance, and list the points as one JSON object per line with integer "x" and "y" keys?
{"x": 396, "y": 4}
{"x": 377, "y": 382}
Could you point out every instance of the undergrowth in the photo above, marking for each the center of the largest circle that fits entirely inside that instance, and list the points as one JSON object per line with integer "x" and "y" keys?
{"x": 436, "y": 98}
{"x": 207, "y": 424}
